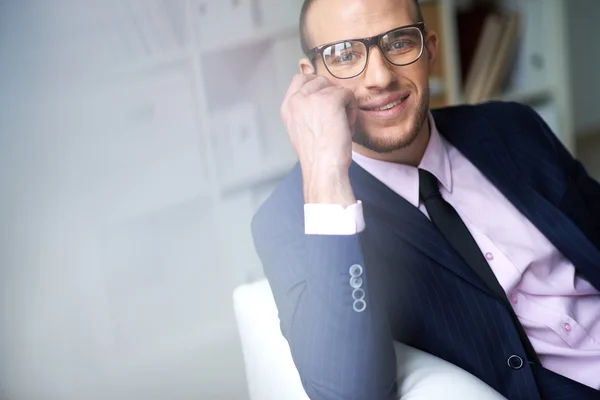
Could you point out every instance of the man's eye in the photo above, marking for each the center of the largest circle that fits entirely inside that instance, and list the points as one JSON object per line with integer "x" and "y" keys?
{"x": 399, "y": 45}
{"x": 346, "y": 58}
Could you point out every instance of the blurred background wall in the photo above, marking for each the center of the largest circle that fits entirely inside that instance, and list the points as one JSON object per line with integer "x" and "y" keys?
{"x": 138, "y": 137}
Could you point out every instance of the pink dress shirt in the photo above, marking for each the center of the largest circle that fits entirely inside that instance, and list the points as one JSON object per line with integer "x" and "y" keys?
{"x": 559, "y": 310}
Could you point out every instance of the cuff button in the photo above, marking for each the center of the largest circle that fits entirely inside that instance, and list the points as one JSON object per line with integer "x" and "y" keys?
{"x": 358, "y": 294}
{"x": 356, "y": 282}
{"x": 359, "y": 305}
{"x": 356, "y": 270}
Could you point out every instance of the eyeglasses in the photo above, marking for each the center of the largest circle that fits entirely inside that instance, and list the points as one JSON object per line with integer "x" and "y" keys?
{"x": 348, "y": 58}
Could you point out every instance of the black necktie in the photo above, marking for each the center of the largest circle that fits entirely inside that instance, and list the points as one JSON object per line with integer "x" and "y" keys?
{"x": 448, "y": 222}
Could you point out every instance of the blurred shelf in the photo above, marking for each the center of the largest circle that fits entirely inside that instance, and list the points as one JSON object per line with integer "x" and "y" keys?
{"x": 123, "y": 215}
{"x": 151, "y": 63}
{"x": 269, "y": 171}
{"x": 531, "y": 96}
{"x": 257, "y": 37}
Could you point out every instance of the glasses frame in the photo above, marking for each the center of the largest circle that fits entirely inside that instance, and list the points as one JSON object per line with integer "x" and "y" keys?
{"x": 368, "y": 43}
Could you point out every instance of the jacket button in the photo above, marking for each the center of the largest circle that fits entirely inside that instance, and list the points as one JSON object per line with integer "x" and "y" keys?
{"x": 515, "y": 362}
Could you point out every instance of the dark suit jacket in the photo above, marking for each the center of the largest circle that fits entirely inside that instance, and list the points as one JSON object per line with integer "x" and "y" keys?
{"x": 418, "y": 290}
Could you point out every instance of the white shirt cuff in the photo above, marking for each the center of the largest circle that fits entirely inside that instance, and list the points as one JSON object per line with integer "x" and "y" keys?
{"x": 333, "y": 219}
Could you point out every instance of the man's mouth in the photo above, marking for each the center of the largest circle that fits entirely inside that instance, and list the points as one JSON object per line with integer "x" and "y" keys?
{"x": 388, "y": 106}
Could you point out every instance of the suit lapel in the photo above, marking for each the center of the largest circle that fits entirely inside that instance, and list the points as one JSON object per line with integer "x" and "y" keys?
{"x": 480, "y": 143}
{"x": 383, "y": 206}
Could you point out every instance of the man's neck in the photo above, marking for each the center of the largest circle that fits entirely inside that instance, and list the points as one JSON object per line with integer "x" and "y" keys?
{"x": 410, "y": 155}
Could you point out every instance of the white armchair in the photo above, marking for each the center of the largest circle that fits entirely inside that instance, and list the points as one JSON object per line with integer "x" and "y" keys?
{"x": 272, "y": 375}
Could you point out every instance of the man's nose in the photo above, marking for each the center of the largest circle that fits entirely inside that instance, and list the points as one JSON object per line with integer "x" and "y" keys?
{"x": 379, "y": 72}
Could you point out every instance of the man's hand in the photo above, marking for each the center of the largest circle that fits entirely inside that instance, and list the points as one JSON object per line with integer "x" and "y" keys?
{"x": 320, "y": 117}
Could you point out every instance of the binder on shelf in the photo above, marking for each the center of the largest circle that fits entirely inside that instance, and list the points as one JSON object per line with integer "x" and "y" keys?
{"x": 237, "y": 140}
{"x": 439, "y": 75}
{"x": 484, "y": 57}
{"x": 130, "y": 35}
{"x": 175, "y": 18}
{"x": 146, "y": 33}
{"x": 158, "y": 11}
{"x": 503, "y": 58}
{"x": 153, "y": 21}
{"x": 223, "y": 19}
{"x": 530, "y": 70}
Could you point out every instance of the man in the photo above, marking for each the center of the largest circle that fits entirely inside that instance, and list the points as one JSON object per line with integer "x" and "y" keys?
{"x": 468, "y": 232}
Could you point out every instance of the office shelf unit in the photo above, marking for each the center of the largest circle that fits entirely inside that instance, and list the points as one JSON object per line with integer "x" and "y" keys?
{"x": 539, "y": 74}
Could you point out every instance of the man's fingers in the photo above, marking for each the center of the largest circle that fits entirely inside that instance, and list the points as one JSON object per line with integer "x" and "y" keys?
{"x": 343, "y": 95}
{"x": 344, "y": 98}
{"x": 298, "y": 81}
{"x": 348, "y": 98}
{"x": 352, "y": 111}
{"x": 315, "y": 85}
{"x": 328, "y": 95}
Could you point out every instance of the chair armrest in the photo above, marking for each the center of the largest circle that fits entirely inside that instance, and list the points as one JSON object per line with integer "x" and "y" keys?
{"x": 272, "y": 375}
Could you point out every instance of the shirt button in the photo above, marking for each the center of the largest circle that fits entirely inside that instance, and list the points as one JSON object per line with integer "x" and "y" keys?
{"x": 567, "y": 327}
{"x": 489, "y": 256}
{"x": 514, "y": 299}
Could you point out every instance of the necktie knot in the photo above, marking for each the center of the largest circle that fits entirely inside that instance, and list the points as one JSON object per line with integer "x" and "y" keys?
{"x": 428, "y": 185}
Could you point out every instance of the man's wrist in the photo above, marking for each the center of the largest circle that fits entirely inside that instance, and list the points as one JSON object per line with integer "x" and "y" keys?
{"x": 328, "y": 186}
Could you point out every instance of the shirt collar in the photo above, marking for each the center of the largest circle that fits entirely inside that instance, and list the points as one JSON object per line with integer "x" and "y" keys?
{"x": 436, "y": 159}
{"x": 404, "y": 179}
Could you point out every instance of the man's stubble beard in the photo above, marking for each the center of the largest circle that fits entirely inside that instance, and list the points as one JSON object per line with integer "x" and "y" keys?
{"x": 388, "y": 145}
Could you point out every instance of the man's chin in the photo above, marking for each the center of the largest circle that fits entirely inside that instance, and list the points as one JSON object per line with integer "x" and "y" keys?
{"x": 388, "y": 143}
{"x": 389, "y": 139}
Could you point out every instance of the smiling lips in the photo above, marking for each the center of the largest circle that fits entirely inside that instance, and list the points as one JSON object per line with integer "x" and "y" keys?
{"x": 388, "y": 108}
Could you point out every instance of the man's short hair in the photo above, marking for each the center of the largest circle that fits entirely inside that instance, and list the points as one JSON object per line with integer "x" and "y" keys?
{"x": 304, "y": 41}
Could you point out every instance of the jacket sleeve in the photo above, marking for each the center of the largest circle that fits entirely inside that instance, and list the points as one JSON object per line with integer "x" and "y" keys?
{"x": 342, "y": 351}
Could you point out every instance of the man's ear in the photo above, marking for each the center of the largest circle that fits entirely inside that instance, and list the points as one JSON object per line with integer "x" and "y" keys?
{"x": 306, "y": 67}
{"x": 431, "y": 44}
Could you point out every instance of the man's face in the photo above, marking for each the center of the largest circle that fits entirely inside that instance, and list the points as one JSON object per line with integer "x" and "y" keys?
{"x": 381, "y": 131}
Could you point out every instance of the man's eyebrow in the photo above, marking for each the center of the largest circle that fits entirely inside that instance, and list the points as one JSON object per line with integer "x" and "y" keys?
{"x": 361, "y": 38}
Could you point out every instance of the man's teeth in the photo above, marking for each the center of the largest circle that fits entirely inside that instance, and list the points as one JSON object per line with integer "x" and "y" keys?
{"x": 388, "y": 106}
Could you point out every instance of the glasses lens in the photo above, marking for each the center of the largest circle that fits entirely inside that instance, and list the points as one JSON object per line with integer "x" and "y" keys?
{"x": 346, "y": 59}
{"x": 403, "y": 46}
